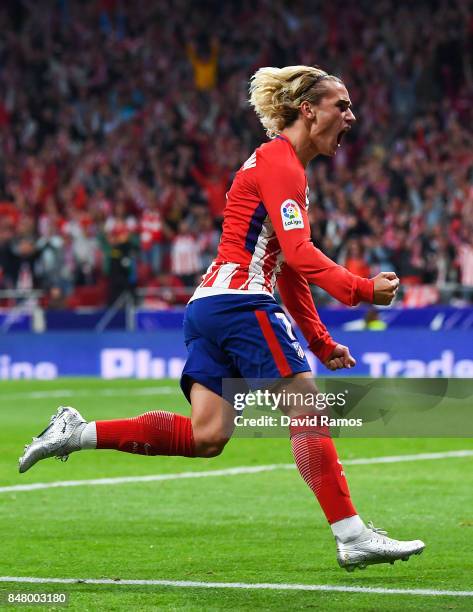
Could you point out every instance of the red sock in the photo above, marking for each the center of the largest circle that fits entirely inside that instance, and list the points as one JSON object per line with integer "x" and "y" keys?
{"x": 317, "y": 461}
{"x": 152, "y": 433}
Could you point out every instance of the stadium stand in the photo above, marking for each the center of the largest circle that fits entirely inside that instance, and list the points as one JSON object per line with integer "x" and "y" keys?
{"x": 121, "y": 125}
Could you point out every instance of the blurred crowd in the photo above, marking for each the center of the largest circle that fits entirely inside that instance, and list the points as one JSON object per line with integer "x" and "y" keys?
{"x": 122, "y": 124}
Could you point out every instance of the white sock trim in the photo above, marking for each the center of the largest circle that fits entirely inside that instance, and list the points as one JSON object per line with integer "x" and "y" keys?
{"x": 88, "y": 436}
{"x": 348, "y": 529}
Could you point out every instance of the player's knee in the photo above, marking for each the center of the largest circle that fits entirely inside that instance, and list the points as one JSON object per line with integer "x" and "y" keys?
{"x": 210, "y": 445}
{"x": 211, "y": 450}
{"x": 302, "y": 399}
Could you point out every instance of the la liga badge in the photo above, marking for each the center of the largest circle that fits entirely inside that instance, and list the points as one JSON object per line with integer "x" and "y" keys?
{"x": 291, "y": 215}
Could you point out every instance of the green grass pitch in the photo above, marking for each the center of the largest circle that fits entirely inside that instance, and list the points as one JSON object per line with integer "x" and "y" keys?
{"x": 249, "y": 528}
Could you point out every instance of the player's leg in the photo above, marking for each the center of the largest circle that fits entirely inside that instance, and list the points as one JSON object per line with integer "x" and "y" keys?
{"x": 269, "y": 350}
{"x": 265, "y": 349}
{"x": 212, "y": 421}
{"x": 157, "y": 432}
{"x": 318, "y": 463}
{"x": 315, "y": 454}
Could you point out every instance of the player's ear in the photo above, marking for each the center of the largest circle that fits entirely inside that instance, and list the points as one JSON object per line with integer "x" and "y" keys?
{"x": 308, "y": 111}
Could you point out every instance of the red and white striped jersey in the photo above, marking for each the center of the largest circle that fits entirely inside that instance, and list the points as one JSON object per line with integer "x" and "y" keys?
{"x": 265, "y": 224}
{"x": 185, "y": 255}
{"x": 151, "y": 229}
{"x": 266, "y": 239}
{"x": 249, "y": 255}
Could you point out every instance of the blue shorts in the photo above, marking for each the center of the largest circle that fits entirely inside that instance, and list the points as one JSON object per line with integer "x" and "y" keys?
{"x": 238, "y": 336}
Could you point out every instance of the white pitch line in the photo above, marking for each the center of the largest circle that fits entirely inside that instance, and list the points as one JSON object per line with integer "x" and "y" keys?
{"x": 190, "y": 584}
{"x": 112, "y": 392}
{"x": 416, "y": 457}
{"x": 236, "y": 471}
{"x": 151, "y": 478}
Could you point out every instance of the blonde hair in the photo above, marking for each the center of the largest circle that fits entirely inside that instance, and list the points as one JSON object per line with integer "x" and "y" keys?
{"x": 277, "y": 93}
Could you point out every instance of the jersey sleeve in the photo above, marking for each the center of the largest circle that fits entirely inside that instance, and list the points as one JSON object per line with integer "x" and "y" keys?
{"x": 296, "y": 296}
{"x": 282, "y": 191}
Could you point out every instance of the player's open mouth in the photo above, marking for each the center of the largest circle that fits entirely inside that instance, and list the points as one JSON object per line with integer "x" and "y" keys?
{"x": 340, "y": 136}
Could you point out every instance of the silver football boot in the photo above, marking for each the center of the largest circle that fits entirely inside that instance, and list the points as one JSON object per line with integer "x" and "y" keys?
{"x": 61, "y": 437}
{"x": 373, "y": 546}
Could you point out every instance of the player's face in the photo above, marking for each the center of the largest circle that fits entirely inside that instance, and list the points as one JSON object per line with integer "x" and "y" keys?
{"x": 333, "y": 119}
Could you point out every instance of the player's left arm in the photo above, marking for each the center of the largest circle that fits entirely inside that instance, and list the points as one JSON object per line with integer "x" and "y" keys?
{"x": 297, "y": 297}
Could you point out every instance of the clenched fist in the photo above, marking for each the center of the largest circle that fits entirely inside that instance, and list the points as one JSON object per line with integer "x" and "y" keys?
{"x": 386, "y": 285}
{"x": 340, "y": 358}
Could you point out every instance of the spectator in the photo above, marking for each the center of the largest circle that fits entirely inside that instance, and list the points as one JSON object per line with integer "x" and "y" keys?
{"x": 185, "y": 255}
{"x": 119, "y": 249}
{"x": 204, "y": 60}
{"x": 465, "y": 259}
{"x": 355, "y": 261}
{"x": 208, "y": 239}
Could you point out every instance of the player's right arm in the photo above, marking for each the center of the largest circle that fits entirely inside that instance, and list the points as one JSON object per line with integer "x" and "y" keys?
{"x": 281, "y": 186}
